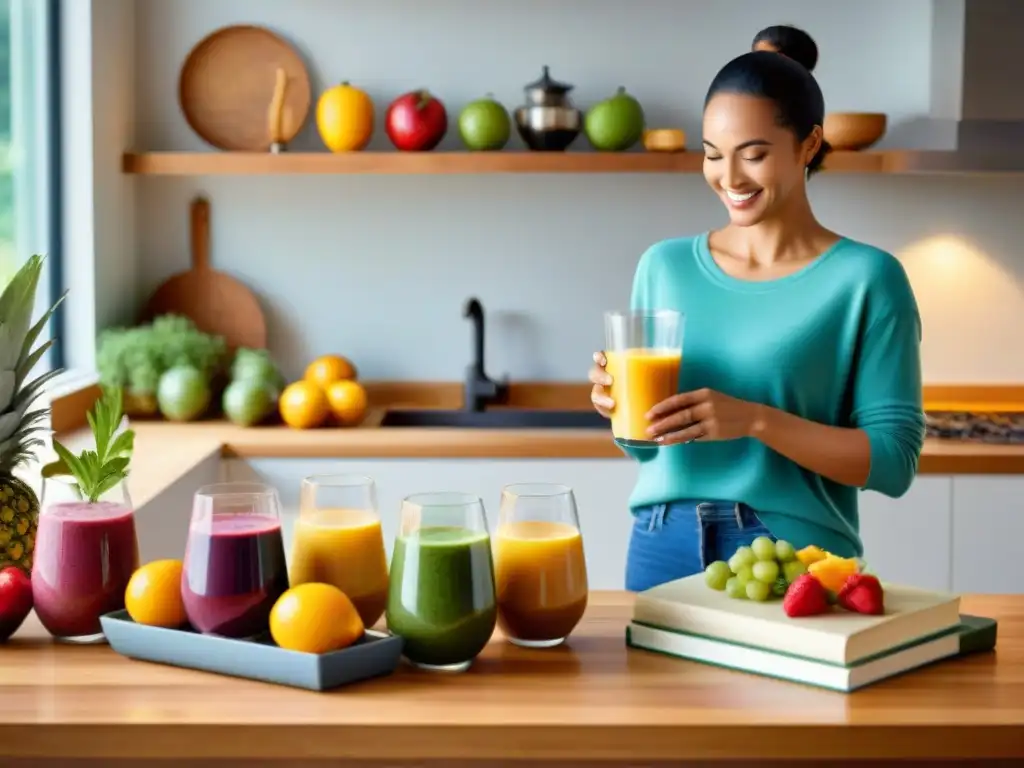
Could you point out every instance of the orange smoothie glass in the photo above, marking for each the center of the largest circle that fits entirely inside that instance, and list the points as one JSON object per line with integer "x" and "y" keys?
{"x": 644, "y": 351}
{"x": 540, "y": 569}
{"x": 338, "y": 540}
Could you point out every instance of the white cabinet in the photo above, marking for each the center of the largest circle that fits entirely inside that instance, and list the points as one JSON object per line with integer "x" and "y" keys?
{"x": 988, "y": 533}
{"x": 601, "y": 486}
{"x": 908, "y": 540}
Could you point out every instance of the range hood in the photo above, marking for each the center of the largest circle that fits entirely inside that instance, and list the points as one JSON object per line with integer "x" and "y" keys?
{"x": 977, "y": 101}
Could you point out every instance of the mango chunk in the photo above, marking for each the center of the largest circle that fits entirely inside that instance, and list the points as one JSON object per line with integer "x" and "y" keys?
{"x": 811, "y": 554}
{"x": 833, "y": 571}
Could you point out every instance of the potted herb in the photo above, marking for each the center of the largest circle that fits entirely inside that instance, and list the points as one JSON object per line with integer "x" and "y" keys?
{"x": 86, "y": 548}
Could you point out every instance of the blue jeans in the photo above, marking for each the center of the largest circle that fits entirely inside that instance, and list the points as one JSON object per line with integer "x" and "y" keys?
{"x": 670, "y": 541}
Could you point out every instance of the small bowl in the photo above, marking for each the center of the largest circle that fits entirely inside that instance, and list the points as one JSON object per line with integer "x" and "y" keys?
{"x": 853, "y": 131}
{"x": 664, "y": 140}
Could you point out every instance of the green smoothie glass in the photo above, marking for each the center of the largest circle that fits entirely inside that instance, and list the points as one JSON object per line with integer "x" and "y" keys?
{"x": 441, "y": 595}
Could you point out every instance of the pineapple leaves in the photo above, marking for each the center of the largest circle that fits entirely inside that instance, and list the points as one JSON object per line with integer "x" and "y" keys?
{"x": 27, "y": 358}
{"x": 7, "y": 387}
{"x": 101, "y": 469}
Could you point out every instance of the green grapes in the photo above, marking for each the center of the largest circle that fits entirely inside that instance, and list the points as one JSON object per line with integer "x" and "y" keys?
{"x": 746, "y": 574}
{"x": 758, "y": 591}
{"x": 763, "y": 548}
{"x": 784, "y": 552}
{"x": 743, "y": 556}
{"x": 733, "y": 588}
{"x": 717, "y": 574}
{"x": 793, "y": 570}
{"x": 766, "y": 571}
{"x": 760, "y": 572}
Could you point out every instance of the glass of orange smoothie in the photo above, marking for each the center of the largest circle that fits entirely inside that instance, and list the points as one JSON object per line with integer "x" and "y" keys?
{"x": 644, "y": 351}
{"x": 540, "y": 570}
{"x": 338, "y": 540}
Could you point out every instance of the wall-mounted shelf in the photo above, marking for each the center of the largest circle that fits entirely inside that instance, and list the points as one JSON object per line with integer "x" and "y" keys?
{"x": 437, "y": 162}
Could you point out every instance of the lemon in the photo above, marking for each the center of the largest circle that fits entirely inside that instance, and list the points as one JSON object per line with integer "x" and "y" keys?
{"x": 315, "y": 618}
{"x": 153, "y": 595}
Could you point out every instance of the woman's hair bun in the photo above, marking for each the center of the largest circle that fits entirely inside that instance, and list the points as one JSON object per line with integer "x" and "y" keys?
{"x": 789, "y": 41}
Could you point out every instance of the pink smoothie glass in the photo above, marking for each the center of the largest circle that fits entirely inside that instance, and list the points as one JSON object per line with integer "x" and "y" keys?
{"x": 85, "y": 553}
{"x": 234, "y": 568}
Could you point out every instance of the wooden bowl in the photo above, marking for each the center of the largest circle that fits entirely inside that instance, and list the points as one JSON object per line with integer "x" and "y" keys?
{"x": 852, "y": 131}
{"x": 664, "y": 140}
{"x": 227, "y": 84}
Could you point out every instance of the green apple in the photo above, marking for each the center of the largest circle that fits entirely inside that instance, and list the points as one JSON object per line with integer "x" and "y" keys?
{"x": 615, "y": 124}
{"x": 484, "y": 125}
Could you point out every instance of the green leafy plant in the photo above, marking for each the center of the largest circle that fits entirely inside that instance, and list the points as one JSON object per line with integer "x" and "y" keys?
{"x": 97, "y": 471}
{"x": 135, "y": 358}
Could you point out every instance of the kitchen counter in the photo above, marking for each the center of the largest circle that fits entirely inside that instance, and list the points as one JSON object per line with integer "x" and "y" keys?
{"x": 165, "y": 451}
{"x": 591, "y": 700}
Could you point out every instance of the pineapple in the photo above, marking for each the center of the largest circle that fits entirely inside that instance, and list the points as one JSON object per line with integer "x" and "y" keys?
{"x": 19, "y": 427}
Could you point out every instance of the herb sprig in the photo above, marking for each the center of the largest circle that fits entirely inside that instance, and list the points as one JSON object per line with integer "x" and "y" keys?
{"x": 97, "y": 471}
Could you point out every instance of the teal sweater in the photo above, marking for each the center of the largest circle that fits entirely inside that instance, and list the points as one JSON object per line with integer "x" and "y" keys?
{"x": 837, "y": 342}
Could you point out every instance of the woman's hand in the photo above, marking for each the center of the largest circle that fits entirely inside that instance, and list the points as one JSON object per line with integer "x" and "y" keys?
{"x": 703, "y": 414}
{"x": 601, "y": 380}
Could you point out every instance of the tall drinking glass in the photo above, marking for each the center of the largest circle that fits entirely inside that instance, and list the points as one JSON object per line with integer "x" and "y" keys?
{"x": 85, "y": 553}
{"x": 644, "y": 352}
{"x": 234, "y": 569}
{"x": 338, "y": 540}
{"x": 441, "y": 597}
{"x": 540, "y": 569}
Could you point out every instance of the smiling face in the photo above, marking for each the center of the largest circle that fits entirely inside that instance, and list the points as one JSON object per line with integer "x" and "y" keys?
{"x": 756, "y": 166}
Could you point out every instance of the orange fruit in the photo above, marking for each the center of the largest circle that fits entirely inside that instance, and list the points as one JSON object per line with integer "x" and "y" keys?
{"x": 348, "y": 402}
{"x": 328, "y": 369}
{"x": 315, "y": 618}
{"x": 303, "y": 405}
{"x": 153, "y": 595}
{"x": 344, "y": 118}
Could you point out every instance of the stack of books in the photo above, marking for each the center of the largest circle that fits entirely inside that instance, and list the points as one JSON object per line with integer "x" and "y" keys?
{"x": 838, "y": 650}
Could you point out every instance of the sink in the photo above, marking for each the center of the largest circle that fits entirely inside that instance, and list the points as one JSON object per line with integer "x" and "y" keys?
{"x": 506, "y": 418}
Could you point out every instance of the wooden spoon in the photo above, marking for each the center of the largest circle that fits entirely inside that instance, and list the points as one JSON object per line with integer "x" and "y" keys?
{"x": 217, "y": 303}
{"x": 276, "y": 112}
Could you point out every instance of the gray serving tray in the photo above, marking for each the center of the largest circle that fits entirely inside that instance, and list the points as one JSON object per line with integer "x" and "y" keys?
{"x": 377, "y": 654}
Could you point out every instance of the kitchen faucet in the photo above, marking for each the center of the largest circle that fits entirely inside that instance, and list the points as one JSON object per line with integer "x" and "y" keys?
{"x": 480, "y": 390}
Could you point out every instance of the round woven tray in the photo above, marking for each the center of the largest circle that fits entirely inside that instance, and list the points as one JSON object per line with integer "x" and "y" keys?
{"x": 227, "y": 84}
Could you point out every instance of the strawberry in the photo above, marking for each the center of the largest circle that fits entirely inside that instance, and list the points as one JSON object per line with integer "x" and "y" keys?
{"x": 805, "y": 597}
{"x": 862, "y": 593}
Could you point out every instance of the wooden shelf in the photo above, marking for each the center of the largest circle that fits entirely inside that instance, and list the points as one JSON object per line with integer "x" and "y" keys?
{"x": 259, "y": 163}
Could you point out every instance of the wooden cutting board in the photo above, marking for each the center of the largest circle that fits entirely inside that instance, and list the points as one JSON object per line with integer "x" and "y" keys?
{"x": 216, "y": 302}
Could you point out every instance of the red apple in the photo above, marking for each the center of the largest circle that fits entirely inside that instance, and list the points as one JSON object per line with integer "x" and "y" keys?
{"x": 416, "y": 122}
{"x": 15, "y": 600}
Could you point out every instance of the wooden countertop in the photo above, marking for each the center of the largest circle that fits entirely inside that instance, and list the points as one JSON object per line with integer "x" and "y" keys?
{"x": 938, "y": 456}
{"x": 592, "y": 699}
{"x": 166, "y": 451}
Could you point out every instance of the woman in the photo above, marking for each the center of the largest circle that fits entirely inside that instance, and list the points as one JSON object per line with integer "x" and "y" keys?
{"x": 801, "y": 376}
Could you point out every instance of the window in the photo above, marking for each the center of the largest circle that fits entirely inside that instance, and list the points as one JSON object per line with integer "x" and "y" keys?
{"x": 29, "y": 149}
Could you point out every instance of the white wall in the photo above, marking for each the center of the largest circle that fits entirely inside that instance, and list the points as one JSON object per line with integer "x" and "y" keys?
{"x": 378, "y": 267}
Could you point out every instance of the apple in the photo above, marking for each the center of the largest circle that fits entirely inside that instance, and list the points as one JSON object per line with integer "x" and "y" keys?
{"x": 416, "y": 121}
{"x": 484, "y": 125}
{"x": 15, "y": 600}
